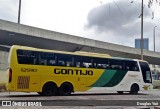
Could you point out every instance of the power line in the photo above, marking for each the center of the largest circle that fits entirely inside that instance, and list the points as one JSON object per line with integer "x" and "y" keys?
{"x": 117, "y": 6}
{"x": 110, "y": 7}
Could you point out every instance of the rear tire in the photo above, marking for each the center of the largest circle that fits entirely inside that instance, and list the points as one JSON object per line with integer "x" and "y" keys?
{"x": 66, "y": 89}
{"x": 49, "y": 89}
{"x": 134, "y": 89}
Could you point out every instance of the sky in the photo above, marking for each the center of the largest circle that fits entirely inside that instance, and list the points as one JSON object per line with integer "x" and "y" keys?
{"x": 113, "y": 21}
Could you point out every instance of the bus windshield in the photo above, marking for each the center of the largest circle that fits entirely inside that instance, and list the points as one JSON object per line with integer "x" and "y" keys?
{"x": 146, "y": 72}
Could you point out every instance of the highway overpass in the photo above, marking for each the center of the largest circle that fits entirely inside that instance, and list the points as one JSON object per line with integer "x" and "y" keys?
{"x": 13, "y": 33}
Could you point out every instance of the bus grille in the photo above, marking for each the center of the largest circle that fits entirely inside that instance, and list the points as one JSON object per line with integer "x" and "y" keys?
{"x": 23, "y": 82}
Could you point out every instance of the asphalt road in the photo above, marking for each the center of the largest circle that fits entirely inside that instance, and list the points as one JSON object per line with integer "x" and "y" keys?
{"x": 109, "y": 100}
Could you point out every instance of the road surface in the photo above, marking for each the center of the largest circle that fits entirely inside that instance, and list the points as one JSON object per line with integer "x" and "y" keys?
{"x": 110, "y": 100}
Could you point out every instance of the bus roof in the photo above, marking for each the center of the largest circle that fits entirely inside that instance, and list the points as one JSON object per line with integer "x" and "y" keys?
{"x": 121, "y": 58}
{"x": 92, "y": 54}
{"x": 142, "y": 60}
{"x": 78, "y": 53}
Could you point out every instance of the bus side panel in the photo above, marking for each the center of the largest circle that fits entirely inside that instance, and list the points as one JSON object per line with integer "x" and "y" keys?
{"x": 130, "y": 78}
{"x": 35, "y": 85}
{"x": 84, "y": 82}
{"x": 80, "y": 80}
{"x": 116, "y": 80}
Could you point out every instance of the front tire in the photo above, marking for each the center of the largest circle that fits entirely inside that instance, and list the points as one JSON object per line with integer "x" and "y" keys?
{"x": 134, "y": 89}
{"x": 49, "y": 89}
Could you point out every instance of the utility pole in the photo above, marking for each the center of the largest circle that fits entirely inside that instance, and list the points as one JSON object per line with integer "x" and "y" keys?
{"x": 142, "y": 41}
{"x": 19, "y": 12}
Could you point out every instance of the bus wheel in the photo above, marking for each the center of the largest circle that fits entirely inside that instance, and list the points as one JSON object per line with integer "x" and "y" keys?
{"x": 66, "y": 89}
{"x": 120, "y": 92}
{"x": 134, "y": 89}
{"x": 49, "y": 89}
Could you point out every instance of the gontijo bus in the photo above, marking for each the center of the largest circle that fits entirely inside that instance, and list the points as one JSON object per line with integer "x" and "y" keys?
{"x": 51, "y": 72}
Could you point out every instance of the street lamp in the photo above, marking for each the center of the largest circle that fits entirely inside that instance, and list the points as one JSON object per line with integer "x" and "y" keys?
{"x": 19, "y": 12}
{"x": 154, "y": 38}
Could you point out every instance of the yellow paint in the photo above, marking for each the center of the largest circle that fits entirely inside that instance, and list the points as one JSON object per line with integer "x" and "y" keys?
{"x": 146, "y": 87}
{"x": 40, "y": 74}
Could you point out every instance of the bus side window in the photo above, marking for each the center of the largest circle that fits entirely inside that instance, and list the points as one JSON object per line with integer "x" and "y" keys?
{"x": 25, "y": 57}
{"x": 83, "y": 61}
{"x": 102, "y": 66}
{"x": 131, "y": 65}
{"x": 87, "y": 64}
{"x": 134, "y": 68}
{"x": 99, "y": 66}
{"x": 45, "y": 58}
{"x": 61, "y": 63}
{"x": 127, "y": 68}
{"x": 100, "y": 63}
{"x": 77, "y": 64}
{"x": 69, "y": 63}
{"x": 83, "y": 65}
{"x": 52, "y": 62}
{"x": 65, "y": 60}
{"x": 116, "y": 67}
{"x": 43, "y": 62}
{"x": 116, "y": 64}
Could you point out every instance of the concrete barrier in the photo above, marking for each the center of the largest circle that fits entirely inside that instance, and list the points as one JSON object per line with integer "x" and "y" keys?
{"x": 3, "y": 87}
{"x": 3, "y": 80}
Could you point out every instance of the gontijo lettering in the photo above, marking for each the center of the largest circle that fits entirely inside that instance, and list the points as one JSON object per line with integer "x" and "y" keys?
{"x": 72, "y": 72}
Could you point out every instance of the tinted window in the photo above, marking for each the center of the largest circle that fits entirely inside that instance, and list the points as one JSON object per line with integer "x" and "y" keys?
{"x": 82, "y": 61}
{"x": 131, "y": 65}
{"x": 101, "y": 63}
{"x": 35, "y": 57}
{"x": 146, "y": 72}
{"x": 64, "y": 60}
{"x": 46, "y": 59}
{"x": 116, "y": 64}
{"x": 26, "y": 57}
{"x": 56, "y": 59}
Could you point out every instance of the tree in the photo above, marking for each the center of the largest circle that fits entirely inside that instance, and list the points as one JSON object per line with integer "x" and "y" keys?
{"x": 150, "y": 2}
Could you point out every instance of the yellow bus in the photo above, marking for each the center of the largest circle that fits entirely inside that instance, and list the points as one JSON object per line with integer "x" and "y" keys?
{"x": 51, "y": 72}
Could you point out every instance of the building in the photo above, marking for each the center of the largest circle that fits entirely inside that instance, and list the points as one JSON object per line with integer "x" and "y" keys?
{"x": 138, "y": 43}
